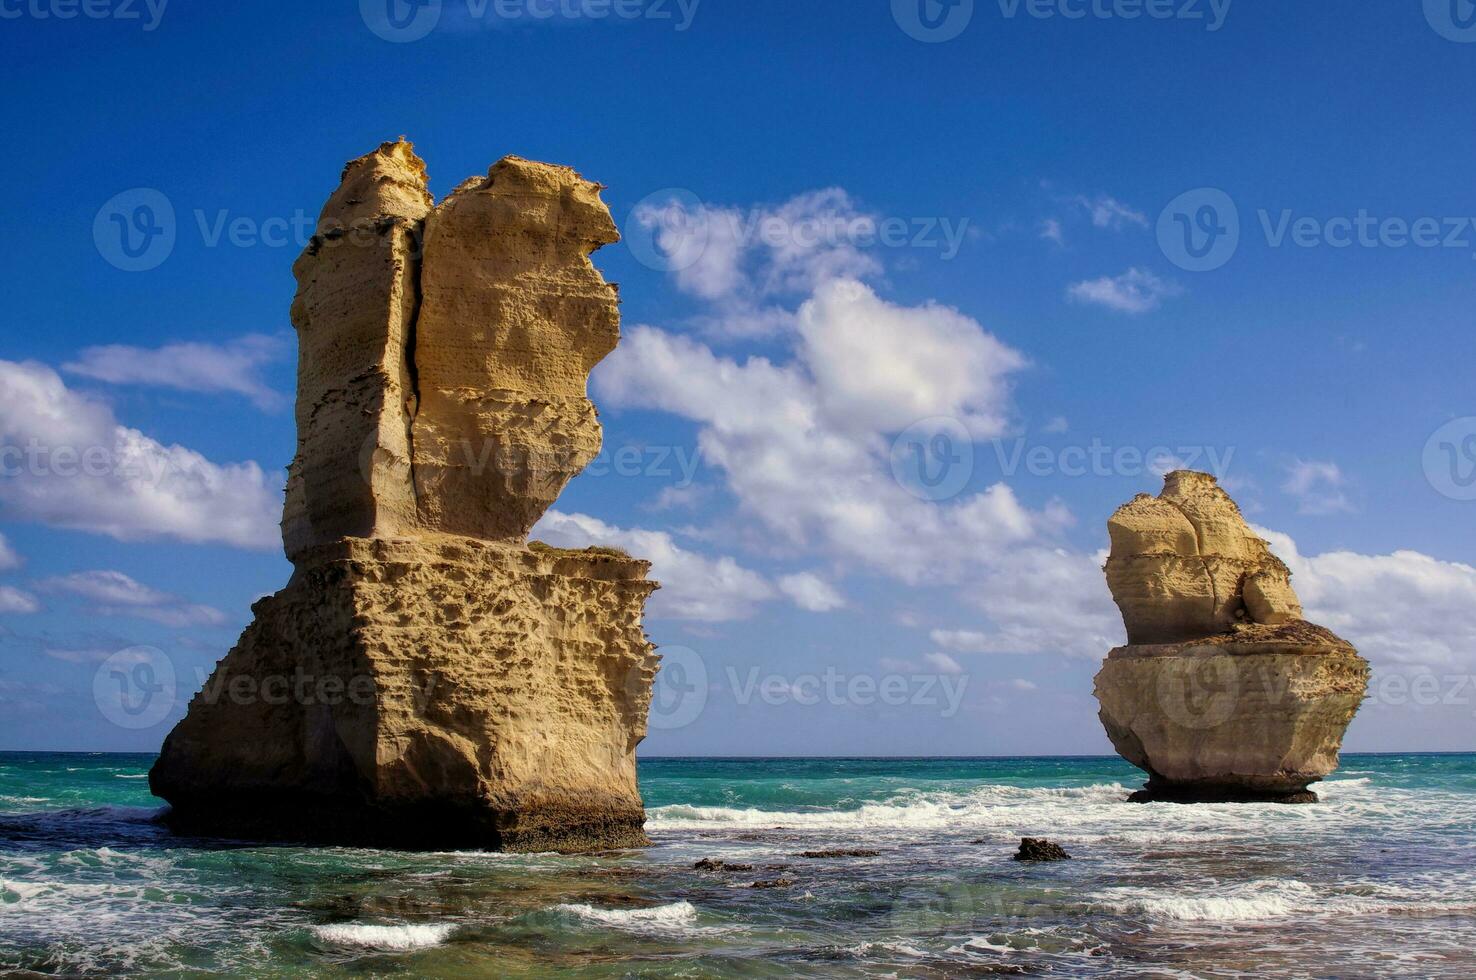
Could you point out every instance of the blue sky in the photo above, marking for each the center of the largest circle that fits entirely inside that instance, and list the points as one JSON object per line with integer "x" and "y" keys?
{"x": 840, "y": 229}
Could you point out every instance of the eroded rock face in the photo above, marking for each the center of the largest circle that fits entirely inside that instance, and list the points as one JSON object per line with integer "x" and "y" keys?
{"x": 1224, "y": 691}
{"x": 1182, "y": 565}
{"x": 428, "y": 678}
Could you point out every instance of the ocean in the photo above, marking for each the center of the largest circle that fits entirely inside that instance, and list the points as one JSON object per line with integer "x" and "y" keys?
{"x": 1377, "y": 880}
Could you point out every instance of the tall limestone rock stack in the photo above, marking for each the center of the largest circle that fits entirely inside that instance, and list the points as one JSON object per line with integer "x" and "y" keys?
{"x": 427, "y": 678}
{"x": 1224, "y": 692}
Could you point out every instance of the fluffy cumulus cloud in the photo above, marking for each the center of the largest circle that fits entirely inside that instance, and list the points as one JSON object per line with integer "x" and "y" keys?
{"x": 693, "y": 586}
{"x": 740, "y": 260}
{"x": 1401, "y": 608}
{"x": 66, "y": 461}
{"x": 1135, "y": 291}
{"x": 805, "y": 446}
{"x": 233, "y": 367}
{"x": 113, "y": 593}
{"x": 1318, "y": 487}
{"x": 811, "y": 592}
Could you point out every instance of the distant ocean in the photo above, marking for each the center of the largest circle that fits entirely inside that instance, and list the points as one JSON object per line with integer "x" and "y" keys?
{"x": 1378, "y": 880}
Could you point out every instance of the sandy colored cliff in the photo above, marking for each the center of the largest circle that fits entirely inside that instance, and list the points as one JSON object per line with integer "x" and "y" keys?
{"x": 428, "y": 678}
{"x": 1224, "y": 693}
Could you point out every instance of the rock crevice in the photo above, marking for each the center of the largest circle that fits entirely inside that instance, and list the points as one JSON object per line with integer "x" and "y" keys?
{"x": 449, "y": 684}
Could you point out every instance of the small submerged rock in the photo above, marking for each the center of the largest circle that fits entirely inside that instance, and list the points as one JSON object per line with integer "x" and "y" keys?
{"x": 773, "y": 883}
{"x": 839, "y": 853}
{"x": 712, "y": 864}
{"x": 1040, "y": 849}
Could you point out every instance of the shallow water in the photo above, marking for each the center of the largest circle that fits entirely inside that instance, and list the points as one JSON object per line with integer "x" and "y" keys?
{"x": 1378, "y": 880}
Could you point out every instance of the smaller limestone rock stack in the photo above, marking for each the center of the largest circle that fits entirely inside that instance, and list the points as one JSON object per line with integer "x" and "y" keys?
{"x": 1224, "y": 692}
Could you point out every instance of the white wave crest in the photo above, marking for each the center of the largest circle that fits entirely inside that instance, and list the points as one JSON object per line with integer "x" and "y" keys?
{"x": 676, "y": 917}
{"x": 1275, "y": 898}
{"x": 981, "y": 807}
{"x": 396, "y": 938}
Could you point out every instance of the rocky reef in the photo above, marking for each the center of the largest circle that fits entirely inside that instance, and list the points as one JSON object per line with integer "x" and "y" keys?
{"x": 1224, "y": 692}
{"x": 428, "y": 678}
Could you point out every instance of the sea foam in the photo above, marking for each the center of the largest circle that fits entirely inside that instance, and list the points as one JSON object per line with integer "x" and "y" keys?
{"x": 398, "y": 937}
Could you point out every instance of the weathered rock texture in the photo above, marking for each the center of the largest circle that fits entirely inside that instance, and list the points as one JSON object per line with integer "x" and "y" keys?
{"x": 428, "y": 678}
{"x": 1224, "y": 692}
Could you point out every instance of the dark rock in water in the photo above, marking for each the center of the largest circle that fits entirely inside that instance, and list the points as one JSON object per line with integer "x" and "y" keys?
{"x": 1156, "y": 792}
{"x": 1040, "y": 849}
{"x": 837, "y": 853}
{"x": 773, "y": 883}
{"x": 711, "y": 864}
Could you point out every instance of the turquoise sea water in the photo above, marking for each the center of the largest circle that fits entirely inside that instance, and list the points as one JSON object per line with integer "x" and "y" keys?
{"x": 1378, "y": 880}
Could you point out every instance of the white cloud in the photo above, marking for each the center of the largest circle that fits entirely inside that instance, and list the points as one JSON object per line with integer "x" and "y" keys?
{"x": 113, "y": 593}
{"x": 943, "y": 663}
{"x": 9, "y": 559}
{"x": 233, "y": 367}
{"x": 1135, "y": 291}
{"x": 68, "y": 463}
{"x": 804, "y": 446}
{"x": 1040, "y": 600}
{"x": 1405, "y": 607}
{"x": 1317, "y": 487}
{"x": 693, "y": 586}
{"x": 738, "y": 259}
{"x": 882, "y": 367}
{"x": 15, "y": 601}
{"x": 1109, "y": 212}
{"x": 1051, "y": 231}
{"x": 811, "y": 592}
